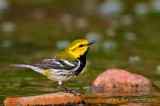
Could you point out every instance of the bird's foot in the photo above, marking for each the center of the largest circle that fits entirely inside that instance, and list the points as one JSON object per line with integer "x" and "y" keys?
{"x": 74, "y": 92}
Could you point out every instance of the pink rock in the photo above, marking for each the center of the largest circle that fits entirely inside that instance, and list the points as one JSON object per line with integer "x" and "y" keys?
{"x": 121, "y": 81}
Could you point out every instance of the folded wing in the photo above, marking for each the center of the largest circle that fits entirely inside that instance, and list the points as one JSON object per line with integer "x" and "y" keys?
{"x": 57, "y": 63}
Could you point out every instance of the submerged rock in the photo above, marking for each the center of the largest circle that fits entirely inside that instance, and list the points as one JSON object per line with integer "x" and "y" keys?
{"x": 113, "y": 81}
{"x": 59, "y": 98}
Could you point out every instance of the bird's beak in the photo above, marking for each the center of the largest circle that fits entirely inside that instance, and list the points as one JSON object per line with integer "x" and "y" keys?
{"x": 91, "y": 42}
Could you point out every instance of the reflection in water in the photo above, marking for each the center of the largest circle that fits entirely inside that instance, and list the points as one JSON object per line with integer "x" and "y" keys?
{"x": 8, "y": 26}
{"x": 130, "y": 36}
{"x": 141, "y": 9}
{"x": 38, "y": 13}
{"x": 111, "y": 32}
{"x": 28, "y": 78}
{"x": 81, "y": 22}
{"x": 109, "y": 46}
{"x": 93, "y": 35}
{"x": 156, "y": 6}
{"x": 3, "y": 6}
{"x": 90, "y": 6}
{"x": 6, "y": 43}
{"x": 134, "y": 104}
{"x": 127, "y": 19}
{"x": 126, "y": 91}
{"x": 124, "y": 101}
{"x": 111, "y": 7}
{"x": 62, "y": 44}
{"x": 66, "y": 20}
{"x": 134, "y": 59}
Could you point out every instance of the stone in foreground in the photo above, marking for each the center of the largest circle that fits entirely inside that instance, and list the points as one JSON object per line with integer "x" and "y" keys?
{"x": 118, "y": 80}
{"x": 60, "y": 98}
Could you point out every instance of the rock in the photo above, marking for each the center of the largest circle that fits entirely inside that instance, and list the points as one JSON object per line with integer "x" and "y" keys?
{"x": 59, "y": 98}
{"x": 118, "y": 80}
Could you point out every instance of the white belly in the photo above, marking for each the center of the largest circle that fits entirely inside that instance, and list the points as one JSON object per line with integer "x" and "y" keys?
{"x": 59, "y": 78}
{"x": 60, "y": 75}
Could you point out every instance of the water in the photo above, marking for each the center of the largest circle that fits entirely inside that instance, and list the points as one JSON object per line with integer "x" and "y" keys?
{"x": 29, "y": 32}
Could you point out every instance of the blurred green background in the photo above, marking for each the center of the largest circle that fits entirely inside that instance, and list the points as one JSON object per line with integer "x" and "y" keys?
{"x": 127, "y": 35}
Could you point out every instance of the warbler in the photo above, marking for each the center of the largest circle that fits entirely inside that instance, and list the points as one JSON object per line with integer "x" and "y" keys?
{"x": 65, "y": 65}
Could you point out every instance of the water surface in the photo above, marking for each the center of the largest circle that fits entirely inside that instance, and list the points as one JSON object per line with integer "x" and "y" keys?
{"x": 127, "y": 38}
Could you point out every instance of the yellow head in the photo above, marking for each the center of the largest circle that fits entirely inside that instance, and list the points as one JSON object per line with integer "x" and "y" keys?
{"x": 76, "y": 49}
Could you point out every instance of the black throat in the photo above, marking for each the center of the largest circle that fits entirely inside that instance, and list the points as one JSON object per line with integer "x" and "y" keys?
{"x": 82, "y": 63}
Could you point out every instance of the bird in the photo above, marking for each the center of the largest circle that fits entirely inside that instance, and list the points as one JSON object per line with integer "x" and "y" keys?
{"x": 65, "y": 65}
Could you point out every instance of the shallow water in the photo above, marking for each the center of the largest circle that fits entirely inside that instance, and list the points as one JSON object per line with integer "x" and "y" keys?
{"x": 30, "y": 31}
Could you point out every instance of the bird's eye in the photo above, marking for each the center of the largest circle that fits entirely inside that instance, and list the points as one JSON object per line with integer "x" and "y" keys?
{"x": 81, "y": 45}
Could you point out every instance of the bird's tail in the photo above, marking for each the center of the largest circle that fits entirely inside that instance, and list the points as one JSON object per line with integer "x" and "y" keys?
{"x": 37, "y": 69}
{"x": 22, "y": 65}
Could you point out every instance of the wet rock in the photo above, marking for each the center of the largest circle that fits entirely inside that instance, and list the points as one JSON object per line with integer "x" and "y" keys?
{"x": 113, "y": 81}
{"x": 59, "y": 98}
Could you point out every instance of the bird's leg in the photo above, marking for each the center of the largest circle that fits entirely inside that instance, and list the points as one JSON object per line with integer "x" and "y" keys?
{"x": 66, "y": 89}
{"x": 74, "y": 90}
